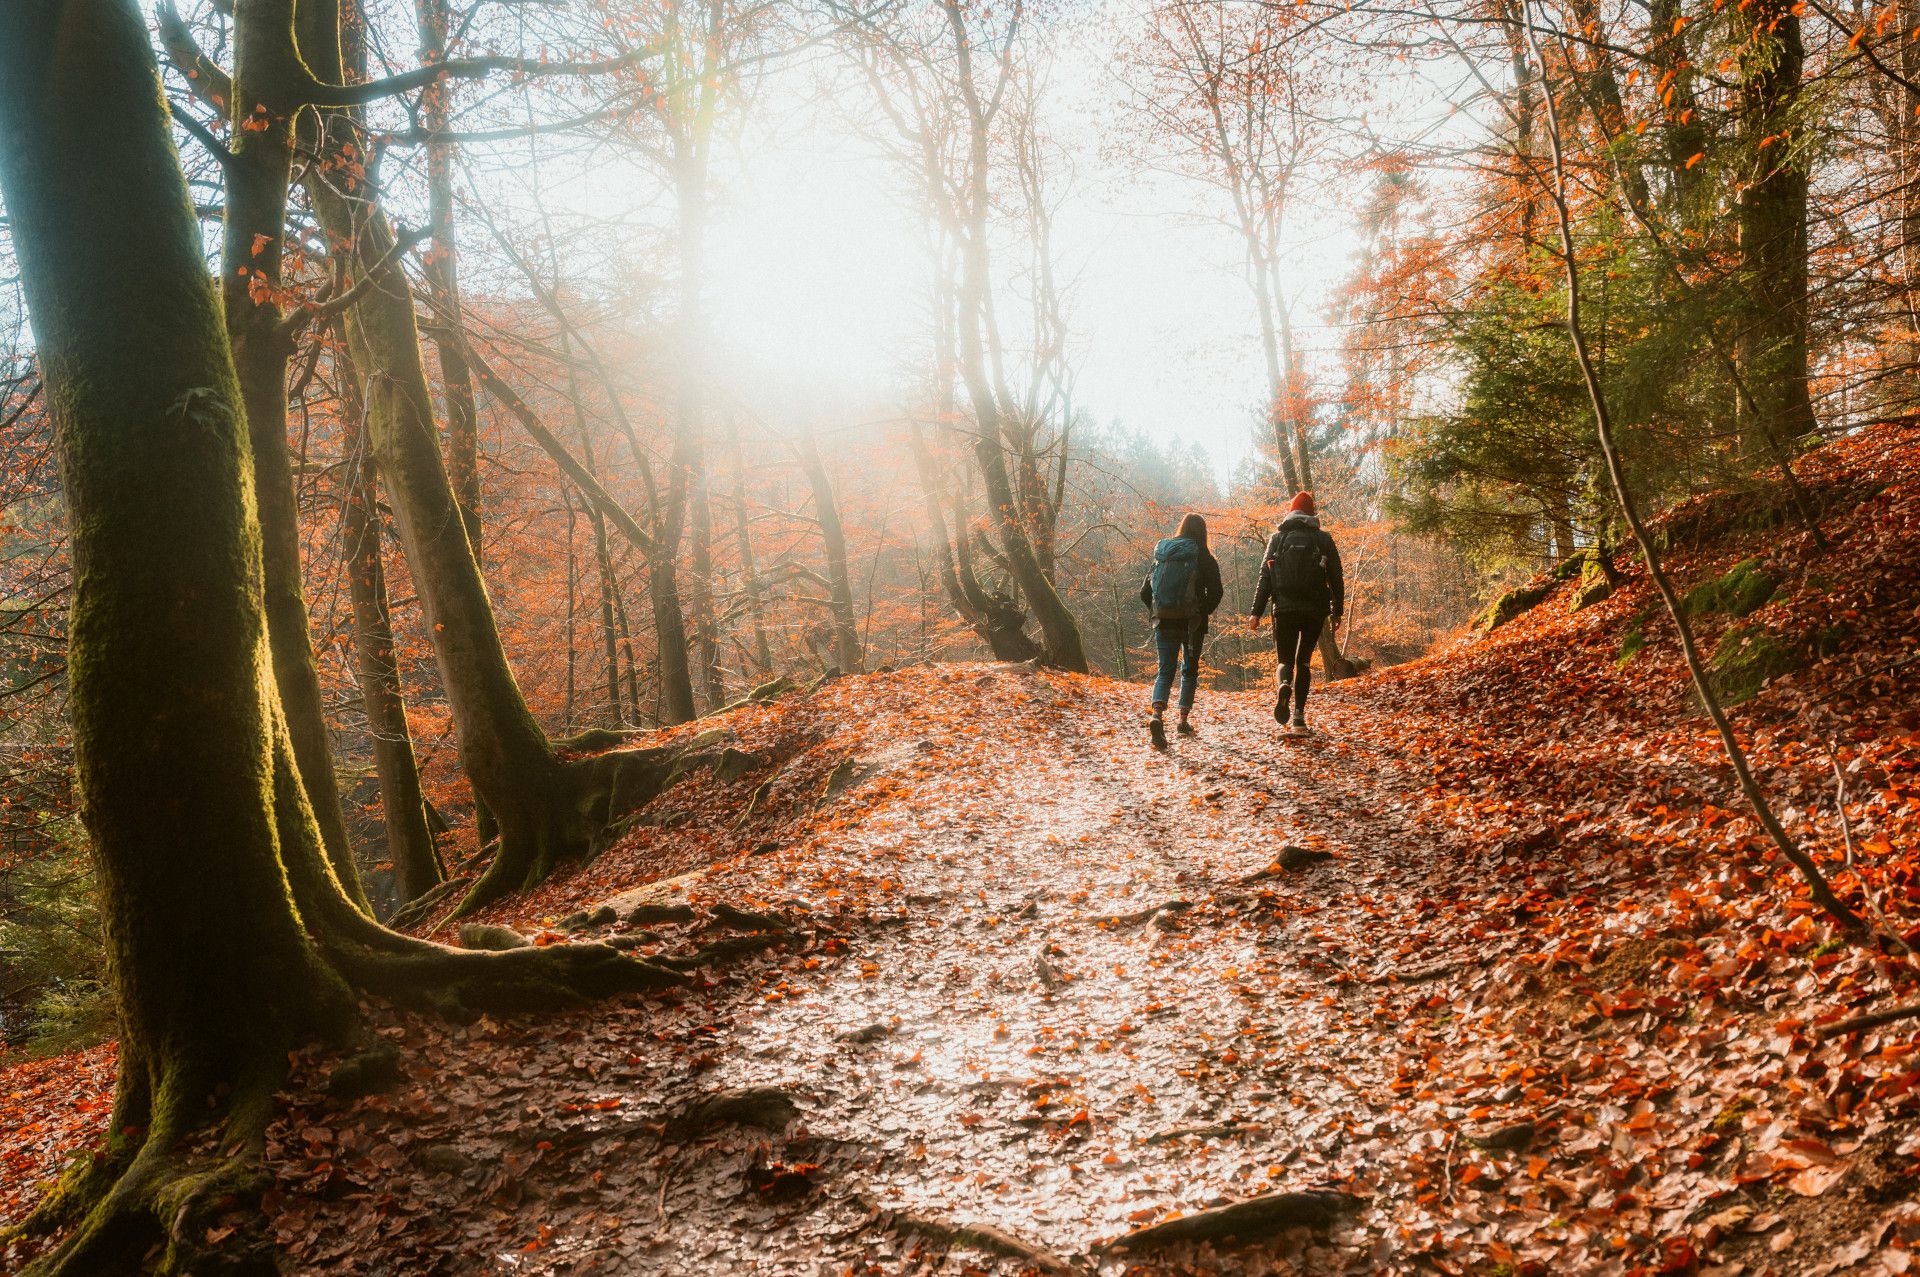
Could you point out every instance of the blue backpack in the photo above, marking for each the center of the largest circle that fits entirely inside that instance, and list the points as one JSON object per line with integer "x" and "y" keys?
{"x": 1176, "y": 579}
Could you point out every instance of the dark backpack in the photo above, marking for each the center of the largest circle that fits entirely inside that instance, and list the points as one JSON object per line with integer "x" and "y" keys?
{"x": 1296, "y": 566}
{"x": 1176, "y": 579}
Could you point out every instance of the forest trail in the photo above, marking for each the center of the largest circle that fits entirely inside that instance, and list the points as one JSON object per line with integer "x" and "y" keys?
{"x": 980, "y": 982}
{"x": 1048, "y": 1001}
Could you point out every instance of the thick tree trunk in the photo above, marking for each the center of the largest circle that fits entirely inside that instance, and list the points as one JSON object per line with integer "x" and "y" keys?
{"x": 171, "y": 690}
{"x": 1773, "y": 239}
{"x": 1907, "y": 161}
{"x": 261, "y": 110}
{"x": 226, "y": 930}
{"x": 706, "y": 629}
{"x": 663, "y": 571}
{"x": 546, "y": 810}
{"x": 1685, "y": 132}
{"x": 1060, "y": 633}
{"x": 998, "y": 620}
{"x": 826, "y": 511}
{"x": 743, "y": 540}
{"x": 416, "y": 864}
{"x": 609, "y": 631}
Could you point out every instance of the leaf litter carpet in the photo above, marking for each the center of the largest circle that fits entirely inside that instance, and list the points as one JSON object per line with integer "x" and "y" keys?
{"x": 1489, "y": 976}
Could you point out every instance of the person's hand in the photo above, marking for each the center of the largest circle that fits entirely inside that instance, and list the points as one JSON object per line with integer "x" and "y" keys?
{"x": 1253, "y": 623}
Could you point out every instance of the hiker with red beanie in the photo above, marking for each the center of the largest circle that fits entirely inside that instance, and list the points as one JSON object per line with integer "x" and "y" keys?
{"x": 1301, "y": 576}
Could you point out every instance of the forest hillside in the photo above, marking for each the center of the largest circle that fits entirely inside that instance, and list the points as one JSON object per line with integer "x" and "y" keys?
{"x": 1493, "y": 973}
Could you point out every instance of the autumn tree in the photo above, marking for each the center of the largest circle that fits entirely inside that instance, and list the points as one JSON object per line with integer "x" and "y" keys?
{"x": 231, "y": 940}
{"x": 942, "y": 76}
{"x": 547, "y": 809}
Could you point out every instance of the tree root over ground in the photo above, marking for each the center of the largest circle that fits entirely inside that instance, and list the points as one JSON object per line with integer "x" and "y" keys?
{"x": 587, "y": 796}
{"x": 1247, "y": 1221}
{"x": 981, "y": 1237}
{"x": 146, "y": 1203}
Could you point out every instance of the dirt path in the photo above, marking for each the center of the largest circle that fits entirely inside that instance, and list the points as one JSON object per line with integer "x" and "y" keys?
{"x": 1038, "y": 1006}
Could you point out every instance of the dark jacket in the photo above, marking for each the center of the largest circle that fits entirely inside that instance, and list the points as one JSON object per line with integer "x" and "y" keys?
{"x": 1327, "y": 596}
{"x": 1211, "y": 592}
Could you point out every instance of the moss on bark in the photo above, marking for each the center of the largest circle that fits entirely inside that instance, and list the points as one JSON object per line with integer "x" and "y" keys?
{"x": 231, "y": 938}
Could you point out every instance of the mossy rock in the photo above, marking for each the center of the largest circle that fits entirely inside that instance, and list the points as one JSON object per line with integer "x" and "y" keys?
{"x": 486, "y": 935}
{"x": 368, "y": 1073}
{"x": 773, "y": 689}
{"x": 1514, "y": 603}
{"x": 1831, "y": 640}
{"x": 1741, "y": 591}
{"x": 735, "y": 763}
{"x": 1632, "y": 641}
{"x": 1594, "y": 588}
{"x": 1573, "y": 565}
{"x": 1745, "y": 659}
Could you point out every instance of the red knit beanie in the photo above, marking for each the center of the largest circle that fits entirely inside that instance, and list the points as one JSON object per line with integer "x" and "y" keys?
{"x": 1302, "y": 504}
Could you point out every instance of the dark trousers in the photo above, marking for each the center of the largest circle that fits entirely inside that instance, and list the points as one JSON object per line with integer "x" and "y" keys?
{"x": 1295, "y": 635}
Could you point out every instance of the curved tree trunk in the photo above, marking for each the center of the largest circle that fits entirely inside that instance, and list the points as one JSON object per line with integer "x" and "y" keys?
{"x": 227, "y": 932}
{"x": 547, "y": 810}
{"x": 846, "y": 630}
{"x": 416, "y": 864}
{"x": 261, "y": 109}
{"x": 998, "y": 620}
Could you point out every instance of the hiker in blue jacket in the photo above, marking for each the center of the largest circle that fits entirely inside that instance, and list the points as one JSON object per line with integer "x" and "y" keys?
{"x": 1182, "y": 589}
{"x": 1302, "y": 577}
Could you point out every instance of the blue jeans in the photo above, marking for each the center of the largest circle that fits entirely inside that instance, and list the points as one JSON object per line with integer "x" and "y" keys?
{"x": 1171, "y": 644}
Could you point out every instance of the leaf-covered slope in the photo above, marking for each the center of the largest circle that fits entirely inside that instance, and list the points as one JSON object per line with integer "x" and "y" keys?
{"x": 978, "y": 979}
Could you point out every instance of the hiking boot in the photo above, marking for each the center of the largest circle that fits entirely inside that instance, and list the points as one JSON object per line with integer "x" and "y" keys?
{"x": 1186, "y": 729}
{"x": 1157, "y": 732}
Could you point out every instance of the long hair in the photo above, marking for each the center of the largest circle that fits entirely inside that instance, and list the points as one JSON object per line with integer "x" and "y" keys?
{"x": 1194, "y": 528}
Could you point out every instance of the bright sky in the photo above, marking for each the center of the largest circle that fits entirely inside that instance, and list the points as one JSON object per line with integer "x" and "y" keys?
{"x": 818, "y": 268}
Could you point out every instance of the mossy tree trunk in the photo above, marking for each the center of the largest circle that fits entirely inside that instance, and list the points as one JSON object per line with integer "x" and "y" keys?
{"x": 547, "y": 809}
{"x": 1773, "y": 236}
{"x": 171, "y": 685}
{"x": 230, "y": 940}
{"x": 416, "y": 865}
{"x": 261, "y": 98}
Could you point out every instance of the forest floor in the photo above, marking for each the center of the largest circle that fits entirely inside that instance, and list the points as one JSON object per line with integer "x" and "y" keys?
{"x": 983, "y": 983}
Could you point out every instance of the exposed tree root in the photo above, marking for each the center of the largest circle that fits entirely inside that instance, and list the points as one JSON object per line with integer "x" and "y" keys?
{"x": 1209, "y": 1130}
{"x": 1247, "y": 1221}
{"x": 1509, "y": 1138}
{"x": 588, "y": 796}
{"x": 1138, "y": 916}
{"x": 429, "y": 902}
{"x": 768, "y": 1107}
{"x": 729, "y": 947}
{"x": 1291, "y": 860}
{"x": 144, "y": 1205}
{"x": 982, "y": 1237}
{"x": 748, "y": 919}
{"x": 1868, "y": 1020}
